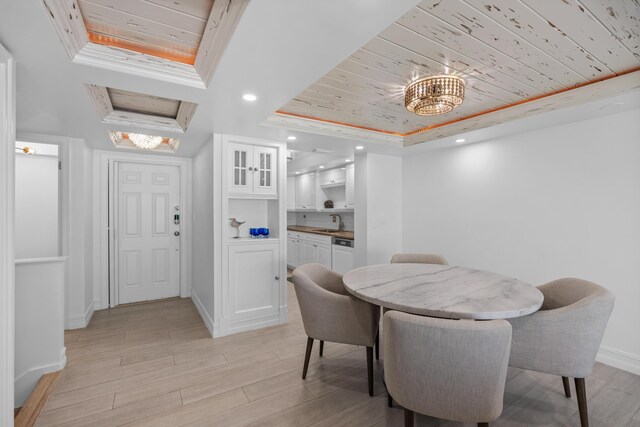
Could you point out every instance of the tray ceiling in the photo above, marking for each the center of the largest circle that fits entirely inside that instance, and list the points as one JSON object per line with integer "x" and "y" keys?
{"x": 125, "y": 108}
{"x": 509, "y": 53}
{"x": 180, "y": 41}
{"x": 168, "y": 29}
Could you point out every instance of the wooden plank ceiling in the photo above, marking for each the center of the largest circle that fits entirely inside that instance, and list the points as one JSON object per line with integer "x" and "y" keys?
{"x": 507, "y": 51}
{"x": 170, "y": 29}
{"x": 122, "y": 100}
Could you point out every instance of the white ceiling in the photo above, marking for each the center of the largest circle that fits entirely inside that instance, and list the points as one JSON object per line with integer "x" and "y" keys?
{"x": 280, "y": 47}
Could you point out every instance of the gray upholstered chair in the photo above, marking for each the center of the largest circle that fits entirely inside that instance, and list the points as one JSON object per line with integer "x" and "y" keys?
{"x": 418, "y": 259}
{"x": 450, "y": 369}
{"x": 564, "y": 336}
{"x": 329, "y": 313}
{"x": 414, "y": 259}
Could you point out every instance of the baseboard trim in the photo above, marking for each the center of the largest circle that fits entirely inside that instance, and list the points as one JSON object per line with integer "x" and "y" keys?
{"x": 29, "y": 413}
{"x": 619, "y": 359}
{"x": 27, "y": 381}
{"x": 251, "y": 324}
{"x": 208, "y": 322}
{"x": 78, "y": 322}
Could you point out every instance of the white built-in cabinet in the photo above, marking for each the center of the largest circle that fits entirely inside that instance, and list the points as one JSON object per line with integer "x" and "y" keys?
{"x": 251, "y": 290}
{"x": 350, "y": 187}
{"x": 333, "y": 177}
{"x": 306, "y": 191}
{"x": 311, "y": 190}
{"x": 291, "y": 192}
{"x": 254, "y": 276}
{"x": 252, "y": 170}
{"x": 307, "y": 248}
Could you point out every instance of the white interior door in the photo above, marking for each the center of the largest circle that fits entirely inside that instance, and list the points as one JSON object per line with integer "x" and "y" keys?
{"x": 148, "y": 248}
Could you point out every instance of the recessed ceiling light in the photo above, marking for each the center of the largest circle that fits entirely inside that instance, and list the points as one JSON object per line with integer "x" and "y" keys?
{"x": 321, "y": 167}
{"x": 460, "y": 140}
{"x": 359, "y": 147}
{"x": 297, "y": 173}
{"x": 344, "y": 169}
{"x": 291, "y": 138}
{"x": 347, "y": 160}
{"x": 249, "y": 97}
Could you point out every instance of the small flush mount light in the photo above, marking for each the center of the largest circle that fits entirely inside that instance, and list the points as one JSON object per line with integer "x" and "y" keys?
{"x": 297, "y": 173}
{"x": 347, "y": 160}
{"x": 359, "y": 147}
{"x": 292, "y": 138}
{"x": 460, "y": 140}
{"x": 434, "y": 95}
{"x": 249, "y": 97}
{"x": 321, "y": 167}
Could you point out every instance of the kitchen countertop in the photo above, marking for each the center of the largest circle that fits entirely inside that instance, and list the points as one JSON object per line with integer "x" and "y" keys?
{"x": 317, "y": 230}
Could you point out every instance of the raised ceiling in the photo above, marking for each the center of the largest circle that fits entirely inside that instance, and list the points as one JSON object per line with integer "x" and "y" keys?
{"x": 509, "y": 52}
{"x": 127, "y": 108}
{"x": 179, "y": 41}
{"x": 165, "y": 28}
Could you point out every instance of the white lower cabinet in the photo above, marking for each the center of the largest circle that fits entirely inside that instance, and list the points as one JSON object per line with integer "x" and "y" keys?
{"x": 292, "y": 252}
{"x": 309, "y": 248}
{"x": 342, "y": 258}
{"x": 254, "y": 282}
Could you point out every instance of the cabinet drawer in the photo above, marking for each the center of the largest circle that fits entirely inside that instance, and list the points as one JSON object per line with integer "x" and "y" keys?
{"x": 315, "y": 238}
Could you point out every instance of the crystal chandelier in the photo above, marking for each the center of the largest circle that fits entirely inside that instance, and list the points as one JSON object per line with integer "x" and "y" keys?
{"x": 146, "y": 142}
{"x": 434, "y": 95}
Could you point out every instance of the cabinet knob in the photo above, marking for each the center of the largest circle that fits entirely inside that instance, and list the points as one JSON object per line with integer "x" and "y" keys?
{"x": 250, "y": 168}
{"x": 277, "y": 277}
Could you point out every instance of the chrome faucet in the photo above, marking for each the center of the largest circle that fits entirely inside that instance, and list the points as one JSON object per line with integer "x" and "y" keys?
{"x": 341, "y": 223}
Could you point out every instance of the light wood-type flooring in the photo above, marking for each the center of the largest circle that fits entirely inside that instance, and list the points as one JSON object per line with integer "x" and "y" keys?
{"x": 156, "y": 365}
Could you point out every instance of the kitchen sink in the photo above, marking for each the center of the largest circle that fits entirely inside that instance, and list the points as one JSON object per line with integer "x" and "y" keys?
{"x": 326, "y": 230}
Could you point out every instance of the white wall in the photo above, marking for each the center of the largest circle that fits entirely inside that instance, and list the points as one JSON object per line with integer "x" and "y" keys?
{"x": 203, "y": 234}
{"x": 39, "y": 323}
{"x": 88, "y": 231}
{"x": 378, "y": 213}
{"x": 558, "y": 202}
{"x": 76, "y": 224}
{"x": 36, "y": 204}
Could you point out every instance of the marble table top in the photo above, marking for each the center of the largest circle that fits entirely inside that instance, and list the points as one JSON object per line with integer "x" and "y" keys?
{"x": 443, "y": 291}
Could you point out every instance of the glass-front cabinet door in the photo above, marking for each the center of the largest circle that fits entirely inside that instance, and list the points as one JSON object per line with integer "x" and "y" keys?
{"x": 265, "y": 171}
{"x": 240, "y": 180}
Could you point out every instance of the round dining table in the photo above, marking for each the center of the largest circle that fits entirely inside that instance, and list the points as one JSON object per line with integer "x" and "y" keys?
{"x": 444, "y": 291}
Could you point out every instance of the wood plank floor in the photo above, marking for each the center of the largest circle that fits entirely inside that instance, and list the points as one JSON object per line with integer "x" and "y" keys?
{"x": 156, "y": 365}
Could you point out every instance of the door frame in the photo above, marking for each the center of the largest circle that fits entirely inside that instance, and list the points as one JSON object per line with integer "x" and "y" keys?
{"x": 7, "y": 249}
{"x": 103, "y": 176}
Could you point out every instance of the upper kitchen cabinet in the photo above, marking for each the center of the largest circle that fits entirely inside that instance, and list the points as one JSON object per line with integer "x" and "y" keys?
{"x": 350, "y": 190}
{"x": 253, "y": 171}
{"x": 291, "y": 192}
{"x": 333, "y": 178}
{"x": 306, "y": 191}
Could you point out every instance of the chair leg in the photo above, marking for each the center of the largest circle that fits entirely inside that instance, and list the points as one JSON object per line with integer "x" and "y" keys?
{"x": 378, "y": 346}
{"x": 567, "y": 387}
{"x": 408, "y": 418}
{"x": 321, "y": 347}
{"x": 389, "y": 400}
{"x": 370, "y": 369}
{"x": 581, "y": 393}
{"x": 307, "y": 356}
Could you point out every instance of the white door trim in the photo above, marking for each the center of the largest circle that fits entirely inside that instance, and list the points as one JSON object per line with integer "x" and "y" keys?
{"x": 104, "y": 237}
{"x": 7, "y": 250}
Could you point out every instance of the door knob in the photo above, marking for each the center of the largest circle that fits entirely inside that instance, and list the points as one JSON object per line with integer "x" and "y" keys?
{"x": 176, "y": 233}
